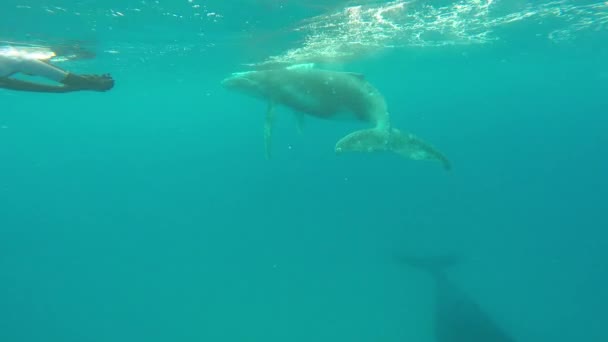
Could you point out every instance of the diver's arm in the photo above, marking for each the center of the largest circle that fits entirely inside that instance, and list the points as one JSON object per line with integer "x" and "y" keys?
{"x": 13, "y": 84}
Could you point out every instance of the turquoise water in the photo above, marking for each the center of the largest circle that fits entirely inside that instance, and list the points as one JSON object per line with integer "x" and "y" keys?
{"x": 149, "y": 213}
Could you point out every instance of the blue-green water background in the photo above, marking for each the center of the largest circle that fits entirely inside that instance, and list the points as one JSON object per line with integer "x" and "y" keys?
{"x": 149, "y": 213}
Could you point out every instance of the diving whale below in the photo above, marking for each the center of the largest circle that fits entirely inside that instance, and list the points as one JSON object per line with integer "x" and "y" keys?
{"x": 458, "y": 317}
{"x": 330, "y": 95}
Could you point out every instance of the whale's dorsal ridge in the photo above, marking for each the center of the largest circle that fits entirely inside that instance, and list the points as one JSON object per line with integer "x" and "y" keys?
{"x": 357, "y": 75}
{"x": 301, "y": 66}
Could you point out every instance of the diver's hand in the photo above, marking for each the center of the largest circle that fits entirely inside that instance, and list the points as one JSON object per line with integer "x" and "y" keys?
{"x": 89, "y": 82}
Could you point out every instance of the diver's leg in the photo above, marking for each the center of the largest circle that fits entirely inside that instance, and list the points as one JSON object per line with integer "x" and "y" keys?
{"x": 73, "y": 81}
{"x": 12, "y": 84}
{"x": 8, "y": 66}
{"x": 39, "y": 68}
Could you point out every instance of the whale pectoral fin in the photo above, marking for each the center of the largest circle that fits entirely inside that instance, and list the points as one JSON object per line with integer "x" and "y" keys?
{"x": 404, "y": 144}
{"x": 299, "y": 121}
{"x": 268, "y": 128}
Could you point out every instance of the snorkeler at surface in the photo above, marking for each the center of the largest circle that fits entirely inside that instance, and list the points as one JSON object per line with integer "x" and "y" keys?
{"x": 11, "y": 64}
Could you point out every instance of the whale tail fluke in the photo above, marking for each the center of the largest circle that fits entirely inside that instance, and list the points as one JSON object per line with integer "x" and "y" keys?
{"x": 435, "y": 265}
{"x": 404, "y": 144}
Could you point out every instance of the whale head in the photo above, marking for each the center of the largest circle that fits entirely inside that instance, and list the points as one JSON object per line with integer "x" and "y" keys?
{"x": 248, "y": 82}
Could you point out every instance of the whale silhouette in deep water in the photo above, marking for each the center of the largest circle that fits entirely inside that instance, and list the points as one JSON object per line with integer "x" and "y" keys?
{"x": 458, "y": 317}
{"x": 331, "y": 95}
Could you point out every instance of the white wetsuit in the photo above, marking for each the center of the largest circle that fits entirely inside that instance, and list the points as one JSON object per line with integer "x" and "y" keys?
{"x": 10, "y": 65}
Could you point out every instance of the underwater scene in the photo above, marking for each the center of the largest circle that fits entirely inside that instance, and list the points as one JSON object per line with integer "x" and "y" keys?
{"x": 303, "y": 170}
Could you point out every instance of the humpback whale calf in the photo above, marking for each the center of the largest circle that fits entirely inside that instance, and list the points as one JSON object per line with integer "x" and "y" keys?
{"x": 458, "y": 317}
{"x": 330, "y": 94}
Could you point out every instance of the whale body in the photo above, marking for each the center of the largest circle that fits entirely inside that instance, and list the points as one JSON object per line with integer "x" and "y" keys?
{"x": 332, "y": 95}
